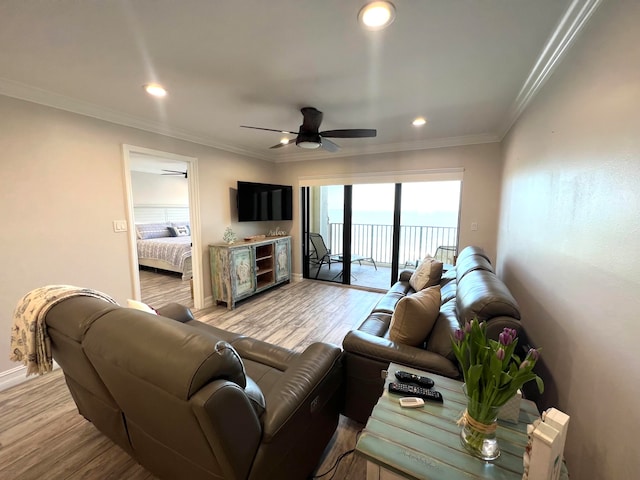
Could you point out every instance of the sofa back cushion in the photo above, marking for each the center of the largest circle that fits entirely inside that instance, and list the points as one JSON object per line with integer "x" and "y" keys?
{"x": 482, "y": 294}
{"x": 427, "y": 274}
{"x": 471, "y": 263}
{"x": 414, "y": 317}
{"x": 155, "y": 367}
{"x": 439, "y": 340}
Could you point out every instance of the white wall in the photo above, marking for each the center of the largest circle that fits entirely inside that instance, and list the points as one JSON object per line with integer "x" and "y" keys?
{"x": 480, "y": 187}
{"x": 61, "y": 187}
{"x": 154, "y": 189}
{"x": 568, "y": 240}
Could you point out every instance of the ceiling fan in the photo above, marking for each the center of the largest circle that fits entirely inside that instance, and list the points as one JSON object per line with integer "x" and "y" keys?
{"x": 309, "y": 136}
{"x": 175, "y": 172}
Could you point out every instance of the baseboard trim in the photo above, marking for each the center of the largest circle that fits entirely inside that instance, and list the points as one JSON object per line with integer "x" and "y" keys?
{"x": 16, "y": 376}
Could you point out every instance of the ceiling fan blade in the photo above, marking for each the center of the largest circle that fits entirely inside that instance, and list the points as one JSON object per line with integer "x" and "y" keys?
{"x": 312, "y": 118}
{"x": 350, "y": 133}
{"x": 329, "y": 146}
{"x": 270, "y": 130}
{"x": 280, "y": 144}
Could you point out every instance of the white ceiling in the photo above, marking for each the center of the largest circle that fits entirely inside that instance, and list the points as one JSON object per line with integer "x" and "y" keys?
{"x": 468, "y": 66}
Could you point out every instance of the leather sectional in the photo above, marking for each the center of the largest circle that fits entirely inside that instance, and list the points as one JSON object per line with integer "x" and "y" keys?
{"x": 188, "y": 400}
{"x": 470, "y": 289}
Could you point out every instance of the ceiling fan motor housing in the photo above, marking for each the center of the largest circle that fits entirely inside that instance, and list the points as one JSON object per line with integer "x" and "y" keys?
{"x": 306, "y": 138}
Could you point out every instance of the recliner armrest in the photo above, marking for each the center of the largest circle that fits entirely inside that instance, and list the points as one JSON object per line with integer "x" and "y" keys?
{"x": 379, "y": 348}
{"x": 294, "y": 388}
{"x": 176, "y": 311}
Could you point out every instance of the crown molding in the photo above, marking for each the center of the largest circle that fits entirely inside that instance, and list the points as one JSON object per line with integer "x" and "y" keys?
{"x": 390, "y": 148}
{"x": 40, "y": 96}
{"x": 28, "y": 93}
{"x": 562, "y": 37}
{"x": 574, "y": 19}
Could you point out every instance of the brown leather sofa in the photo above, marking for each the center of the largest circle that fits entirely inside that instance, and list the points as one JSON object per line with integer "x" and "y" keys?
{"x": 470, "y": 289}
{"x": 188, "y": 400}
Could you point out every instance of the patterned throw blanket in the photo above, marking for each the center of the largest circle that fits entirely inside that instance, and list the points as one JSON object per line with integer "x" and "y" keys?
{"x": 30, "y": 343}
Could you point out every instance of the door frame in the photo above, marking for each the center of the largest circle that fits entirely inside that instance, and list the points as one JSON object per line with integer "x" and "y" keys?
{"x": 194, "y": 219}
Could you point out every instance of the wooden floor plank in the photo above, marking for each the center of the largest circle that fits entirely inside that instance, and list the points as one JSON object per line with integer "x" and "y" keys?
{"x": 43, "y": 436}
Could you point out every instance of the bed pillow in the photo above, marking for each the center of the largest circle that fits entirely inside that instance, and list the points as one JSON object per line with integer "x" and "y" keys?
{"x": 427, "y": 274}
{"x": 414, "y": 317}
{"x": 180, "y": 231}
{"x": 141, "y": 306}
{"x": 145, "y": 231}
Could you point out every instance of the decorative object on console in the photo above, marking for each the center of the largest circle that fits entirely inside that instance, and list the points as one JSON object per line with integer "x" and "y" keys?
{"x": 427, "y": 274}
{"x": 277, "y": 232}
{"x": 492, "y": 374}
{"x": 229, "y": 236}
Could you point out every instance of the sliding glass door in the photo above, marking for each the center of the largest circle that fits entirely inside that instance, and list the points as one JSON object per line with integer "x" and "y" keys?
{"x": 429, "y": 222}
{"x": 363, "y": 234}
{"x": 372, "y": 227}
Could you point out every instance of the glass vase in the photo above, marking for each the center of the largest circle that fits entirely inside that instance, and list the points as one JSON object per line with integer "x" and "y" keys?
{"x": 478, "y": 433}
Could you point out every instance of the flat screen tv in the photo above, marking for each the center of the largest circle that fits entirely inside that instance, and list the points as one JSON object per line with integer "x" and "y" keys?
{"x": 259, "y": 202}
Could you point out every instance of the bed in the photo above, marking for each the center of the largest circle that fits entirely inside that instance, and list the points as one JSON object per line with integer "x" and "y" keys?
{"x": 165, "y": 246}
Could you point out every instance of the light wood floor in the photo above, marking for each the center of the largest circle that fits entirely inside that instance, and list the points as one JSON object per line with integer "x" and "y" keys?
{"x": 42, "y": 436}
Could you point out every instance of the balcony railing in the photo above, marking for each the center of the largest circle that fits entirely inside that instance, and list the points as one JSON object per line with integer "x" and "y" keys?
{"x": 376, "y": 241}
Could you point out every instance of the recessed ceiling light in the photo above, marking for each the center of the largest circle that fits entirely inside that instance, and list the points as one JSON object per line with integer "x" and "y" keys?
{"x": 418, "y": 122}
{"x": 155, "y": 90}
{"x": 377, "y": 15}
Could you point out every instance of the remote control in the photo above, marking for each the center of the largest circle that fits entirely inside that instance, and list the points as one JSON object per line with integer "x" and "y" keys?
{"x": 411, "y": 402}
{"x": 415, "y": 391}
{"x": 406, "y": 377}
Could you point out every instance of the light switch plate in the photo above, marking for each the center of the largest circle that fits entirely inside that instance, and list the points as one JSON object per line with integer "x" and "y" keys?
{"x": 119, "y": 225}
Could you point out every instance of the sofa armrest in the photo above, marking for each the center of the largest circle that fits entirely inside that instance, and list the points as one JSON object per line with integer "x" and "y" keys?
{"x": 230, "y": 424}
{"x": 293, "y": 391}
{"x": 176, "y": 311}
{"x": 383, "y": 349}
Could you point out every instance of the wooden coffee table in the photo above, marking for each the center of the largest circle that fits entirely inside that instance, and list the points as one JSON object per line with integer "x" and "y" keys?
{"x": 424, "y": 443}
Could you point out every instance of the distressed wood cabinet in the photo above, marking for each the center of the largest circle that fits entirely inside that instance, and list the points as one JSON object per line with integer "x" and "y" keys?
{"x": 242, "y": 269}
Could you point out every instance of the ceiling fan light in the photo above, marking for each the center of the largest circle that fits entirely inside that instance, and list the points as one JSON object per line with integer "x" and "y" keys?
{"x": 308, "y": 145}
{"x": 418, "y": 122}
{"x": 377, "y": 15}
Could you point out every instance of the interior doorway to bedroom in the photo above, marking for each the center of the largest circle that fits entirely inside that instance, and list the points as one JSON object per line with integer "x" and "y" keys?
{"x": 164, "y": 227}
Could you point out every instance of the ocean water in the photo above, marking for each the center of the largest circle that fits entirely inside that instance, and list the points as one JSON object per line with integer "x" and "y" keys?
{"x": 436, "y": 218}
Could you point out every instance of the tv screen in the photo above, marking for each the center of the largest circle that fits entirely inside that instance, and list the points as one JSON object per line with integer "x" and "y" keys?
{"x": 258, "y": 202}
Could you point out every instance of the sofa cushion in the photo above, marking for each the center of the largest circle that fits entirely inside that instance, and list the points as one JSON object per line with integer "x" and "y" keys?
{"x": 414, "y": 317}
{"x": 482, "y": 294}
{"x": 439, "y": 340}
{"x": 448, "y": 291}
{"x": 427, "y": 274}
{"x": 387, "y": 304}
{"x": 471, "y": 263}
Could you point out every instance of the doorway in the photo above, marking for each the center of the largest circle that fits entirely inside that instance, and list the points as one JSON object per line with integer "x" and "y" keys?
{"x": 152, "y": 163}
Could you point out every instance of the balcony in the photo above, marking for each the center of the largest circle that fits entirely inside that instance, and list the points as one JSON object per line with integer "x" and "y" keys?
{"x": 375, "y": 241}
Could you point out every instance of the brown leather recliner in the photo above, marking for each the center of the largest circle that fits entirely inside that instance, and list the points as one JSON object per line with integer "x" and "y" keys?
{"x": 188, "y": 400}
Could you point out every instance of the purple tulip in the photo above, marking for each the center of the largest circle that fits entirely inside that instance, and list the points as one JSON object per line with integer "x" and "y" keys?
{"x": 458, "y": 335}
{"x": 500, "y": 354}
{"x": 467, "y": 327}
{"x": 533, "y": 354}
{"x": 505, "y": 338}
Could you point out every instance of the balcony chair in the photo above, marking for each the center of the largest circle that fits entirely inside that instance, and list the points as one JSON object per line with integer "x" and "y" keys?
{"x": 323, "y": 255}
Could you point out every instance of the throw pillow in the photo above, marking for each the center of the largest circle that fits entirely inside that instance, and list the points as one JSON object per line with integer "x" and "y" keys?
{"x": 414, "y": 317}
{"x": 180, "y": 231}
{"x": 141, "y": 306}
{"x": 427, "y": 274}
